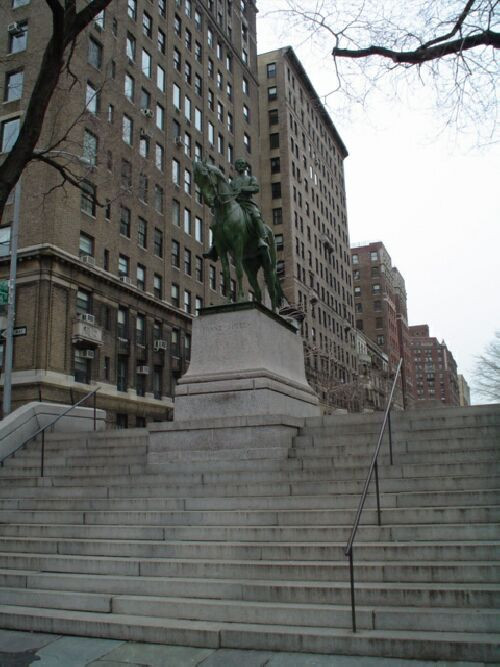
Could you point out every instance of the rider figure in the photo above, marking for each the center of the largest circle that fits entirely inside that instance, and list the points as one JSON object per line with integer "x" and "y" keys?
{"x": 244, "y": 186}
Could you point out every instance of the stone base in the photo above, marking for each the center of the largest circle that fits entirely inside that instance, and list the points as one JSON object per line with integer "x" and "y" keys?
{"x": 245, "y": 360}
{"x": 200, "y": 439}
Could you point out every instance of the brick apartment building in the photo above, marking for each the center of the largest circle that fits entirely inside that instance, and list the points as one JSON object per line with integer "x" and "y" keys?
{"x": 436, "y": 377}
{"x": 110, "y": 276}
{"x": 381, "y": 312}
{"x": 303, "y": 197}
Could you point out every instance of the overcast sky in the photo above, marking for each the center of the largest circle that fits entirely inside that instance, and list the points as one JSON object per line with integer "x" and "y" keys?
{"x": 431, "y": 195}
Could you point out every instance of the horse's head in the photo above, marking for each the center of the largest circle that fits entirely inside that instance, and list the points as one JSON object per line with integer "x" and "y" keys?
{"x": 205, "y": 179}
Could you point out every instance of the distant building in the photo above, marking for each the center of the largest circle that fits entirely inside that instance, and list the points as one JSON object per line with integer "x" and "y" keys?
{"x": 381, "y": 312}
{"x": 435, "y": 369}
{"x": 463, "y": 391}
{"x": 303, "y": 199}
{"x": 111, "y": 275}
{"x": 373, "y": 374}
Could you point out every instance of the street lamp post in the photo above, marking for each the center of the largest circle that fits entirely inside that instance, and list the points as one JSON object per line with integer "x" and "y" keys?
{"x": 11, "y": 309}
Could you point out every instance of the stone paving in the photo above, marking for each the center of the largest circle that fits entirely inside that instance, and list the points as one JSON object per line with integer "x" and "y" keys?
{"x": 22, "y": 649}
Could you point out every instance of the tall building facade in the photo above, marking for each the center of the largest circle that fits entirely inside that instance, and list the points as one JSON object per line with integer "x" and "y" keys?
{"x": 303, "y": 199}
{"x": 381, "y": 311}
{"x": 463, "y": 391}
{"x": 435, "y": 369}
{"x": 111, "y": 274}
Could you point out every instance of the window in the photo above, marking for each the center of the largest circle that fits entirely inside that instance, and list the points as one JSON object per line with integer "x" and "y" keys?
{"x": 229, "y": 121}
{"x": 132, "y": 9}
{"x": 176, "y": 96}
{"x": 160, "y": 117}
{"x": 158, "y": 288}
{"x": 126, "y": 174}
{"x": 271, "y": 70}
{"x": 376, "y": 288}
{"x": 125, "y": 221}
{"x": 187, "y": 108}
{"x": 187, "y": 73}
{"x": 198, "y": 52}
{"x": 160, "y": 78}
{"x": 159, "y": 202}
{"x": 355, "y": 259}
{"x": 198, "y": 269}
{"x": 187, "y": 221}
{"x": 94, "y": 55}
{"x": 198, "y": 119}
{"x": 275, "y": 165}
{"x": 380, "y": 339}
{"x": 146, "y": 64}
{"x": 83, "y": 302}
{"x": 176, "y": 213}
{"x": 162, "y": 7}
{"x": 247, "y": 142}
{"x": 245, "y": 87}
{"x": 279, "y": 241}
{"x": 357, "y": 291}
{"x": 86, "y": 247}
{"x": 177, "y": 26}
{"x": 272, "y": 94}
{"x": 187, "y": 181}
{"x": 246, "y": 113}
{"x": 141, "y": 276}
{"x": 129, "y": 87}
{"x": 147, "y": 25}
{"x": 92, "y": 98}
{"x": 198, "y": 85}
{"x": 374, "y": 256}
{"x": 10, "y": 130}
{"x": 158, "y": 242}
{"x": 174, "y": 295}
{"x": 277, "y": 216}
{"x": 188, "y": 41}
{"x": 123, "y": 265}
{"x": 161, "y": 41}
{"x": 212, "y": 278}
{"x": 130, "y": 47}
{"x": 19, "y": 3}
{"x": 197, "y": 19}
{"x": 198, "y": 306}
{"x": 176, "y": 254}
{"x": 187, "y": 301}
{"x": 198, "y": 229}
{"x": 211, "y": 133}
{"x": 18, "y": 40}
{"x": 5, "y": 233}
{"x": 159, "y": 157}
{"x": 187, "y": 262}
{"x": 176, "y": 171}
{"x": 143, "y": 184}
{"x": 87, "y": 198}
{"x": 127, "y": 129}
{"x": 276, "y": 190}
{"x": 210, "y": 68}
{"x": 274, "y": 117}
{"x": 176, "y": 59}
{"x": 140, "y": 329}
{"x": 274, "y": 140}
{"x": 13, "y": 86}
{"x": 142, "y": 227}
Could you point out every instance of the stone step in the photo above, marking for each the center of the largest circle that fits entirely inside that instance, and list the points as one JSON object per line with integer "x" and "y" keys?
{"x": 404, "y": 643}
{"x": 422, "y": 594}
{"x": 470, "y": 497}
{"x": 159, "y": 490}
{"x": 318, "y": 517}
{"x": 268, "y": 613}
{"x": 273, "y": 534}
{"x": 353, "y": 458}
{"x": 400, "y": 443}
{"x": 212, "y": 550}
{"x": 395, "y": 571}
{"x": 421, "y": 431}
{"x": 61, "y": 461}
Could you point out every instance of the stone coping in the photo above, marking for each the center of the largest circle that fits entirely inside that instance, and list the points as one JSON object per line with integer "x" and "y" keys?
{"x": 228, "y": 422}
{"x": 247, "y": 305}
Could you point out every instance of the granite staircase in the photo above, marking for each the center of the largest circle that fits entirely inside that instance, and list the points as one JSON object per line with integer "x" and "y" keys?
{"x": 245, "y": 549}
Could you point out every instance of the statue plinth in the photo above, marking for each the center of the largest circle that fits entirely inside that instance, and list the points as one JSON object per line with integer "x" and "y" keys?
{"x": 245, "y": 361}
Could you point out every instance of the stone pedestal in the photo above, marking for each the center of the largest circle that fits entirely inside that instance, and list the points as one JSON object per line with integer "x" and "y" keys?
{"x": 245, "y": 361}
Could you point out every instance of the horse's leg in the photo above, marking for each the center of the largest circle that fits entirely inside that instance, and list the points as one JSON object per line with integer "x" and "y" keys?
{"x": 239, "y": 278}
{"x": 251, "y": 269}
{"x": 226, "y": 275}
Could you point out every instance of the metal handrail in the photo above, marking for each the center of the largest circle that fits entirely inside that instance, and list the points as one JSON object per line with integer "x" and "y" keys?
{"x": 373, "y": 466}
{"x": 50, "y": 424}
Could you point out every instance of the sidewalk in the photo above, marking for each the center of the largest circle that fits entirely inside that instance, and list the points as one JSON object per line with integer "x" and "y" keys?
{"x": 22, "y": 649}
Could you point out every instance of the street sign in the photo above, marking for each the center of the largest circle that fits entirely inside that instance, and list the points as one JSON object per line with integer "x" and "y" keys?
{"x": 18, "y": 331}
{"x": 4, "y": 292}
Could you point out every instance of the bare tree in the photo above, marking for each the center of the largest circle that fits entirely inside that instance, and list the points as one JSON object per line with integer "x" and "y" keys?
{"x": 67, "y": 24}
{"x": 487, "y": 371}
{"x": 447, "y": 45}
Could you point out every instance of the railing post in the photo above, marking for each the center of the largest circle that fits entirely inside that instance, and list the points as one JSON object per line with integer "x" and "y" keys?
{"x": 353, "y": 602}
{"x": 390, "y": 435}
{"x": 43, "y": 454}
{"x": 94, "y": 402}
{"x": 378, "y": 494}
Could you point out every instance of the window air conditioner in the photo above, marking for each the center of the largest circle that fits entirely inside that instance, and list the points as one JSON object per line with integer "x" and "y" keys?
{"x": 159, "y": 345}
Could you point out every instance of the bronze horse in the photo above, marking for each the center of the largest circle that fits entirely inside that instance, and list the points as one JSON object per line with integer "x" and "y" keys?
{"x": 235, "y": 237}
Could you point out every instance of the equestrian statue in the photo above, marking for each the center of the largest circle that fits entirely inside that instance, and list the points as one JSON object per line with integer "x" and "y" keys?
{"x": 239, "y": 231}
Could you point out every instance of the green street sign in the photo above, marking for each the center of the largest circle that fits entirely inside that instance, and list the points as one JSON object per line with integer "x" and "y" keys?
{"x": 4, "y": 292}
